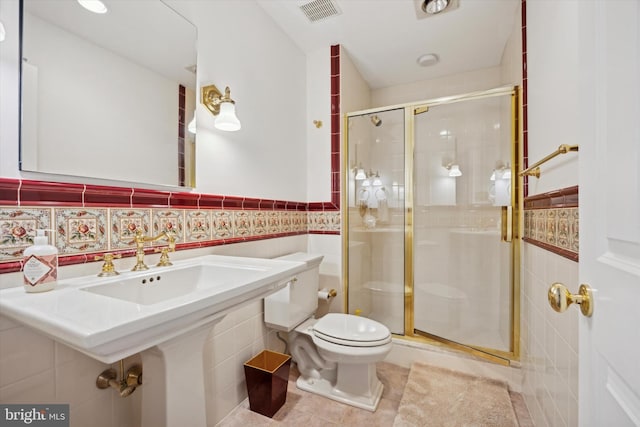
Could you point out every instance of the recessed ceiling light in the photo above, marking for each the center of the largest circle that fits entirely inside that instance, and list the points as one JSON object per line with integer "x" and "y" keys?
{"x": 434, "y": 6}
{"x": 427, "y": 59}
{"x": 95, "y": 6}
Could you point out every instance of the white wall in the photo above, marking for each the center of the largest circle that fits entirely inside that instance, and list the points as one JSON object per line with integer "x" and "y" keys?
{"x": 355, "y": 93}
{"x": 549, "y": 341}
{"x": 319, "y": 139}
{"x": 552, "y": 40}
{"x": 239, "y": 46}
{"x": 486, "y": 78}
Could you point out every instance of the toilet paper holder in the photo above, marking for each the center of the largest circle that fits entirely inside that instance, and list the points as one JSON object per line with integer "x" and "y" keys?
{"x": 327, "y": 294}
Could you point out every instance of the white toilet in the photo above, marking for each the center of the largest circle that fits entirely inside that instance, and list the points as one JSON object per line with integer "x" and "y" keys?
{"x": 336, "y": 355}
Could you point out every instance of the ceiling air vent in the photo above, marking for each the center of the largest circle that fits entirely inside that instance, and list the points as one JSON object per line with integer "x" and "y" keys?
{"x": 317, "y": 10}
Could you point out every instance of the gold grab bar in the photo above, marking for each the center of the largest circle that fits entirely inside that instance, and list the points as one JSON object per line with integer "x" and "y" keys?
{"x": 534, "y": 169}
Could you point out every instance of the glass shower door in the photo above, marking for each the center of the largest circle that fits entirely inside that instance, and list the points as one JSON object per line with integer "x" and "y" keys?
{"x": 462, "y": 288}
{"x": 375, "y": 223}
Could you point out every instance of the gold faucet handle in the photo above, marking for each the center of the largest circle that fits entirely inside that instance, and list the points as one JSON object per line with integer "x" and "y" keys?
{"x": 108, "y": 269}
{"x": 164, "y": 256}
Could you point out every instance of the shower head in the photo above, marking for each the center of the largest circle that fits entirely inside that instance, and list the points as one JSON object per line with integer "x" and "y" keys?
{"x": 376, "y": 121}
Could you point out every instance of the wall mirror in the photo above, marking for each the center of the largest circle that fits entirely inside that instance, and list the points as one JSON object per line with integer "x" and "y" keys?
{"x": 108, "y": 95}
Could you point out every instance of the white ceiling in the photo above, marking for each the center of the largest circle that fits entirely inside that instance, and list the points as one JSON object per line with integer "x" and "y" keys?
{"x": 385, "y": 37}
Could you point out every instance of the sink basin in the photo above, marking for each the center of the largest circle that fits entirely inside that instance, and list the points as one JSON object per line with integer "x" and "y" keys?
{"x": 162, "y": 285}
{"x": 114, "y": 317}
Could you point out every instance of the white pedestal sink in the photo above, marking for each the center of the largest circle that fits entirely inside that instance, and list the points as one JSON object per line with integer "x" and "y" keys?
{"x": 164, "y": 313}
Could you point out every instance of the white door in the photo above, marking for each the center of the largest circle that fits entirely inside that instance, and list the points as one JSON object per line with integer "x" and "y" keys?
{"x": 609, "y": 51}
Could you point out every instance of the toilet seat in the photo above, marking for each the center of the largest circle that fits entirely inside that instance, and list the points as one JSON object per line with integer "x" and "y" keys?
{"x": 351, "y": 343}
{"x": 350, "y": 330}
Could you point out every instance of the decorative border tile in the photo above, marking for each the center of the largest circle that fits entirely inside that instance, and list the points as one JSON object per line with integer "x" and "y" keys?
{"x": 242, "y": 224}
{"x": 285, "y": 222}
{"x": 222, "y": 222}
{"x": 273, "y": 222}
{"x": 18, "y": 228}
{"x": 324, "y": 221}
{"x": 297, "y": 221}
{"x": 552, "y": 221}
{"x": 124, "y": 223}
{"x": 260, "y": 223}
{"x": 168, "y": 220}
{"x": 198, "y": 226}
{"x": 81, "y": 230}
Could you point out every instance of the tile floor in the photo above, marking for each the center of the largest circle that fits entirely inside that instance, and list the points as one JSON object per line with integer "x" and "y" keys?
{"x": 310, "y": 410}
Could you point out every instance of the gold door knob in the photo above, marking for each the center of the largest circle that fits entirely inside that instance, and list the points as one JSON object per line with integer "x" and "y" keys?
{"x": 560, "y": 298}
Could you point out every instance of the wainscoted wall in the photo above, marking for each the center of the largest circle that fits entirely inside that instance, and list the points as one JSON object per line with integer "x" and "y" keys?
{"x": 549, "y": 340}
{"x": 35, "y": 368}
{"x": 88, "y": 220}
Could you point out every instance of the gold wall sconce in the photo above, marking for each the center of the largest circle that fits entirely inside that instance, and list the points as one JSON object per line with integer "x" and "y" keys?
{"x": 223, "y": 107}
{"x": 317, "y": 123}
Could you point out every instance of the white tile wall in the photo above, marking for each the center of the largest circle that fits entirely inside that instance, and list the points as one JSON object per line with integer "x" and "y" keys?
{"x": 330, "y": 269}
{"x": 549, "y": 340}
{"x": 35, "y": 369}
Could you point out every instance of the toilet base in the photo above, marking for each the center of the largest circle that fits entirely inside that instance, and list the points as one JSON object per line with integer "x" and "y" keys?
{"x": 325, "y": 388}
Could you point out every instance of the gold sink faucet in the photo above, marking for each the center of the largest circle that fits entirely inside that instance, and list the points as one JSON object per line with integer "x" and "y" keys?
{"x": 140, "y": 239}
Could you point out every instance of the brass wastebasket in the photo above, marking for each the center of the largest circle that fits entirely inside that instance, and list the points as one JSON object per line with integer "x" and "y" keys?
{"x": 267, "y": 376}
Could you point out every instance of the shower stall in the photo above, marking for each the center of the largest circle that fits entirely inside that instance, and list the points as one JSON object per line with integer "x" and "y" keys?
{"x": 431, "y": 238}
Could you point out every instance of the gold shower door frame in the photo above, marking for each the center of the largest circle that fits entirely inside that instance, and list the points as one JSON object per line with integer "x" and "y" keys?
{"x": 410, "y": 111}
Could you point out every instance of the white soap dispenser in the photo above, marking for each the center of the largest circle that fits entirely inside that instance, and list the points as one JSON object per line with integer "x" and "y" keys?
{"x": 40, "y": 265}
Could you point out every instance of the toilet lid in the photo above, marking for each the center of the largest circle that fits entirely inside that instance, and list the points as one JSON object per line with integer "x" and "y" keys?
{"x": 346, "y": 329}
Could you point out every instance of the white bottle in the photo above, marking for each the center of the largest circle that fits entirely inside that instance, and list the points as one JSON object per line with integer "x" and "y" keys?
{"x": 40, "y": 265}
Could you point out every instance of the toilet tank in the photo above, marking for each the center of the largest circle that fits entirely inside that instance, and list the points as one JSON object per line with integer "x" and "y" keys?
{"x": 298, "y": 301}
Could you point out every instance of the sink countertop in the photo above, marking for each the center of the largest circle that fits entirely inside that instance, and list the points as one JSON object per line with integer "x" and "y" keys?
{"x": 108, "y": 328}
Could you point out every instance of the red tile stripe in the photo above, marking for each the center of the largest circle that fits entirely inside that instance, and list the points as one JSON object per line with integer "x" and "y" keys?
{"x": 563, "y": 198}
{"x": 17, "y": 192}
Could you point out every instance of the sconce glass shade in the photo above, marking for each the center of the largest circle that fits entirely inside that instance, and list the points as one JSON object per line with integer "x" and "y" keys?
{"x": 455, "y": 171}
{"x": 366, "y": 183}
{"x": 227, "y": 119}
{"x": 506, "y": 174}
{"x": 493, "y": 176}
{"x": 191, "y": 127}
{"x": 360, "y": 175}
{"x": 377, "y": 181}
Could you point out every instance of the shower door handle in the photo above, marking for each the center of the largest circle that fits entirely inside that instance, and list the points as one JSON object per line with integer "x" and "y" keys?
{"x": 507, "y": 223}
